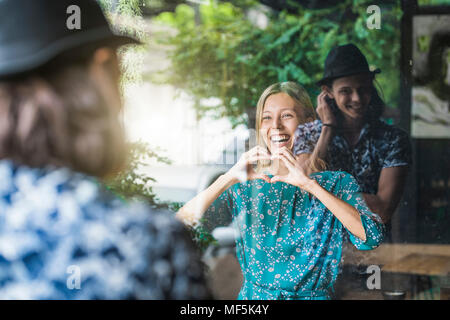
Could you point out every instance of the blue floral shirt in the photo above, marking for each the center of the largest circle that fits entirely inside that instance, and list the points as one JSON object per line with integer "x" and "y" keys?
{"x": 289, "y": 245}
{"x": 62, "y": 236}
{"x": 379, "y": 146}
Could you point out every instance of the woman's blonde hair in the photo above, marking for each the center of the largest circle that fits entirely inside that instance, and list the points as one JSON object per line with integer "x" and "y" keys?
{"x": 61, "y": 117}
{"x": 305, "y": 113}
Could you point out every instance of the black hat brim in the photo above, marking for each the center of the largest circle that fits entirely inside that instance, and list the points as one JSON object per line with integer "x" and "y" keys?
{"x": 327, "y": 79}
{"x": 36, "y": 57}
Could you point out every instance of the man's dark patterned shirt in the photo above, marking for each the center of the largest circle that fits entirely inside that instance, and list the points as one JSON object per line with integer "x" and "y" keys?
{"x": 379, "y": 146}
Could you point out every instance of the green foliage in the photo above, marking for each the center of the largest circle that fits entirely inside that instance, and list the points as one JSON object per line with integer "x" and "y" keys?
{"x": 127, "y": 7}
{"x": 130, "y": 182}
{"x": 130, "y": 7}
{"x": 227, "y": 57}
{"x": 433, "y": 2}
{"x": 140, "y": 7}
{"x": 202, "y": 237}
{"x": 126, "y": 18}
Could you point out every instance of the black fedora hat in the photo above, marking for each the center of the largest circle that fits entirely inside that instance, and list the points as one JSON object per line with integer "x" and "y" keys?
{"x": 33, "y": 32}
{"x": 345, "y": 60}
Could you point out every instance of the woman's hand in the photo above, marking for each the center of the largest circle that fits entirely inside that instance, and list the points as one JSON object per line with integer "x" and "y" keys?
{"x": 324, "y": 110}
{"x": 296, "y": 175}
{"x": 243, "y": 169}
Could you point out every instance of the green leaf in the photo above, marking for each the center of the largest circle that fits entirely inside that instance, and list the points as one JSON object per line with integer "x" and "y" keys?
{"x": 227, "y": 57}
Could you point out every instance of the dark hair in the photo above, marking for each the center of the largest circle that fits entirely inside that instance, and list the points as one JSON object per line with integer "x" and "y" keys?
{"x": 60, "y": 116}
{"x": 376, "y": 104}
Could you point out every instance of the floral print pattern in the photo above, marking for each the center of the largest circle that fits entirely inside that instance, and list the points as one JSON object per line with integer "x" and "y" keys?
{"x": 289, "y": 245}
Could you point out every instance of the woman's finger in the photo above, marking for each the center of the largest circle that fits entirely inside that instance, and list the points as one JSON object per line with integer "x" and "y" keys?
{"x": 260, "y": 176}
{"x": 258, "y": 150}
{"x": 294, "y": 162}
{"x": 263, "y": 152}
{"x": 256, "y": 158}
{"x": 289, "y": 152}
{"x": 277, "y": 179}
{"x": 287, "y": 162}
{"x": 288, "y": 156}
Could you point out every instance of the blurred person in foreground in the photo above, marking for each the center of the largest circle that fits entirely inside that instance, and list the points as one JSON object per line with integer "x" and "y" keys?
{"x": 62, "y": 235}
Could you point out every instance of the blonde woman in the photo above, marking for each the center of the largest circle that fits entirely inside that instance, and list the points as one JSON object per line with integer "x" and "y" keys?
{"x": 291, "y": 226}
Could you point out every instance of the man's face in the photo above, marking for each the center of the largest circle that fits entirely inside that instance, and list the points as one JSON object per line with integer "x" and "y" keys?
{"x": 352, "y": 95}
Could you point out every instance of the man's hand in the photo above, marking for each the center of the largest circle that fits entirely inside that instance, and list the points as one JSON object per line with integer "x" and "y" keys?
{"x": 324, "y": 110}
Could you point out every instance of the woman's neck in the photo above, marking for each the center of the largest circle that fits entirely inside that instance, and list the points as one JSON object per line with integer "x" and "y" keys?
{"x": 278, "y": 168}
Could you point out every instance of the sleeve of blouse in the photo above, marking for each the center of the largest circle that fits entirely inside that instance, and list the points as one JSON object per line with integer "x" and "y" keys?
{"x": 188, "y": 280}
{"x": 373, "y": 226}
{"x": 219, "y": 213}
{"x": 176, "y": 270}
{"x": 398, "y": 150}
{"x": 306, "y": 136}
{"x": 162, "y": 259}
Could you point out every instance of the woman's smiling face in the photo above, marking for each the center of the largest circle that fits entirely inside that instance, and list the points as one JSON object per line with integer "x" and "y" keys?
{"x": 279, "y": 121}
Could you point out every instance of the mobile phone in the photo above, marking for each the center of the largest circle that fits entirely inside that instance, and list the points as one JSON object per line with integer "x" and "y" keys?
{"x": 332, "y": 104}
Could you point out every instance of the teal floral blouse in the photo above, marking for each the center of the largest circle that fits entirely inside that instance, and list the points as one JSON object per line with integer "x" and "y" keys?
{"x": 289, "y": 245}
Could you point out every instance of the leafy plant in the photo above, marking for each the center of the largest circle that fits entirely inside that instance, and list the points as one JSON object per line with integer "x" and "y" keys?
{"x": 202, "y": 237}
{"x": 433, "y": 2}
{"x": 226, "y": 56}
{"x": 130, "y": 182}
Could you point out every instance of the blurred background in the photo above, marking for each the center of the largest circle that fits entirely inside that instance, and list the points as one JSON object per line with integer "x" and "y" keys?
{"x": 190, "y": 94}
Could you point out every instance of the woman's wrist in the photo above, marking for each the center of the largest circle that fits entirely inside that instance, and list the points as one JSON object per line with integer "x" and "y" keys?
{"x": 310, "y": 186}
{"x": 186, "y": 217}
{"x": 228, "y": 178}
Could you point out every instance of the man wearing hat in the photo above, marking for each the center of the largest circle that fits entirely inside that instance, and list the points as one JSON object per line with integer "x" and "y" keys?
{"x": 63, "y": 236}
{"x": 350, "y": 136}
